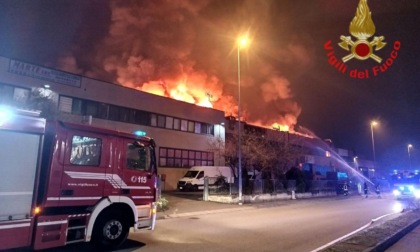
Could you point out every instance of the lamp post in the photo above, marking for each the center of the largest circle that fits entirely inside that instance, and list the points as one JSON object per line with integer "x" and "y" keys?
{"x": 372, "y": 124}
{"x": 409, "y": 154}
{"x": 242, "y": 42}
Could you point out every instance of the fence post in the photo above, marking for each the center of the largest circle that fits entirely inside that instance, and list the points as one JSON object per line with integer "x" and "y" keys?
{"x": 206, "y": 189}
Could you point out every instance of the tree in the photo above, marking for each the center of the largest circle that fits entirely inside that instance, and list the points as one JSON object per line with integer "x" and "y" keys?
{"x": 45, "y": 101}
{"x": 297, "y": 175}
{"x": 270, "y": 154}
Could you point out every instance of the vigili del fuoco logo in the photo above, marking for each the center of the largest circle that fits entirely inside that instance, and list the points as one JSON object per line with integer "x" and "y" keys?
{"x": 362, "y": 46}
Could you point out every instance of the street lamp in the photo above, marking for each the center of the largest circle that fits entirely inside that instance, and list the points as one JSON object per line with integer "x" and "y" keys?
{"x": 409, "y": 156}
{"x": 242, "y": 42}
{"x": 355, "y": 162}
{"x": 372, "y": 124}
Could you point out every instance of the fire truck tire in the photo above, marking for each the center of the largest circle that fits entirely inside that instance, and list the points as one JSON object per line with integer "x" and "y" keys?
{"x": 110, "y": 230}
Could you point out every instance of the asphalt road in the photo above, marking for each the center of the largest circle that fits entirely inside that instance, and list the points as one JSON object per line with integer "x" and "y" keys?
{"x": 284, "y": 226}
{"x": 293, "y": 225}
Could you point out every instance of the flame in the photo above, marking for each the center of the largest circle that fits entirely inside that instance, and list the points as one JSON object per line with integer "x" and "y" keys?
{"x": 181, "y": 90}
{"x": 280, "y": 127}
{"x": 362, "y": 26}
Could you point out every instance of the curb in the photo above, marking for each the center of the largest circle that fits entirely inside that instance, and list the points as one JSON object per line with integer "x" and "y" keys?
{"x": 180, "y": 215}
{"x": 387, "y": 243}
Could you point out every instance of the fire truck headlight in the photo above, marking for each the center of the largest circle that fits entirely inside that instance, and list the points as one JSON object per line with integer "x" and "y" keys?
{"x": 411, "y": 188}
{"x": 396, "y": 192}
{"x": 401, "y": 188}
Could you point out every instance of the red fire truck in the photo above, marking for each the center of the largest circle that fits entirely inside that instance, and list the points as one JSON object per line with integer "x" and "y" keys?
{"x": 63, "y": 183}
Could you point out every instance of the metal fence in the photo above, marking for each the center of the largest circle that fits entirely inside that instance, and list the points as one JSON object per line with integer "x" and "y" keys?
{"x": 273, "y": 186}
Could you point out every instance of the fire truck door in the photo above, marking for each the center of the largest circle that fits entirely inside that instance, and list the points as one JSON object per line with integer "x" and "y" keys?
{"x": 85, "y": 172}
{"x": 137, "y": 174}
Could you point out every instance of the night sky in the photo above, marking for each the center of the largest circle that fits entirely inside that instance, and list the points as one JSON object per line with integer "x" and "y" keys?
{"x": 286, "y": 76}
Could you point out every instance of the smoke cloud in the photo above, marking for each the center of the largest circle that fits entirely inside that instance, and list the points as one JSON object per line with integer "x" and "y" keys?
{"x": 184, "y": 49}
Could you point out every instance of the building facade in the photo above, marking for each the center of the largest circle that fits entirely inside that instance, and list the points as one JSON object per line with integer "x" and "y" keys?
{"x": 181, "y": 130}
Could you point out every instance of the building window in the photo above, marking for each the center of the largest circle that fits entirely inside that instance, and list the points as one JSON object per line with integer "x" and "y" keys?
{"x": 153, "y": 120}
{"x": 190, "y": 126}
{"x": 140, "y": 117}
{"x": 13, "y": 95}
{"x": 21, "y": 95}
{"x": 184, "y": 125}
{"x": 76, "y": 107}
{"x": 162, "y": 156}
{"x": 203, "y": 128}
{"x": 169, "y": 122}
{"x": 113, "y": 113}
{"x": 177, "y": 124}
{"x": 161, "y": 121}
{"x": 197, "y": 128}
{"x": 6, "y": 94}
{"x": 91, "y": 108}
{"x": 65, "y": 104}
{"x": 124, "y": 115}
{"x": 210, "y": 129}
{"x": 121, "y": 114}
{"x": 102, "y": 111}
{"x": 170, "y": 157}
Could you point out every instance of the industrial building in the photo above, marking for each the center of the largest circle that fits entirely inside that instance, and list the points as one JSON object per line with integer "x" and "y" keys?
{"x": 181, "y": 130}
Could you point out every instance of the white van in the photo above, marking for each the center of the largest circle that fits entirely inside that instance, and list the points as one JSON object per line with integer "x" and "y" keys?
{"x": 194, "y": 178}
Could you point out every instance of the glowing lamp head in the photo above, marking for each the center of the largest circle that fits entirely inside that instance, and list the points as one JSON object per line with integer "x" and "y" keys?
{"x": 37, "y": 210}
{"x": 374, "y": 123}
{"x": 243, "y": 41}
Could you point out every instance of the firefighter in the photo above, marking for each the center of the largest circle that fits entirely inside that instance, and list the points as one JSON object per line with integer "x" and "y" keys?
{"x": 378, "y": 190}
{"x": 345, "y": 189}
{"x": 365, "y": 189}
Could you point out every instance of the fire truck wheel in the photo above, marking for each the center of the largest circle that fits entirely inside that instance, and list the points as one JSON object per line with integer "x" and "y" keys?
{"x": 110, "y": 230}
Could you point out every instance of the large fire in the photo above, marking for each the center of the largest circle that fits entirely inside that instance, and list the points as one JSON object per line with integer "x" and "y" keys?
{"x": 180, "y": 91}
{"x": 168, "y": 50}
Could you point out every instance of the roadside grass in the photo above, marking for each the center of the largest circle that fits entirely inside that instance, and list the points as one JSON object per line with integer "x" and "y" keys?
{"x": 377, "y": 235}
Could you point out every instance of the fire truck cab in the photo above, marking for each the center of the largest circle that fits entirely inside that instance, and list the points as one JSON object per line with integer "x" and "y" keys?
{"x": 63, "y": 183}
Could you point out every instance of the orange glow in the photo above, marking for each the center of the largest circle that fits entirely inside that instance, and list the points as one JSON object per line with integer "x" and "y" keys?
{"x": 37, "y": 210}
{"x": 202, "y": 90}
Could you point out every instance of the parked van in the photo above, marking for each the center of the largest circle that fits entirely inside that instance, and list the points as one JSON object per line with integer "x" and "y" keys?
{"x": 194, "y": 178}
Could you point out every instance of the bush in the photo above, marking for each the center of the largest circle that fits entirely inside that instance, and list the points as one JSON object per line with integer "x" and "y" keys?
{"x": 221, "y": 184}
{"x": 162, "y": 204}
